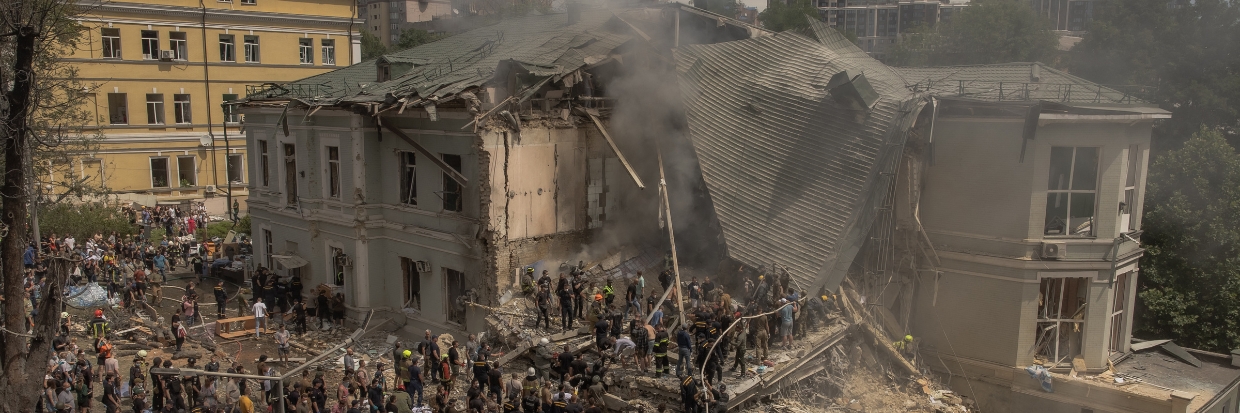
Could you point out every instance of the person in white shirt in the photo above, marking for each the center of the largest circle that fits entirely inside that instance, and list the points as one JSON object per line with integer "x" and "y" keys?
{"x": 260, "y": 317}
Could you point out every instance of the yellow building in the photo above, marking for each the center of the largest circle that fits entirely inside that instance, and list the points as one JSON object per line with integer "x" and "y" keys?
{"x": 159, "y": 71}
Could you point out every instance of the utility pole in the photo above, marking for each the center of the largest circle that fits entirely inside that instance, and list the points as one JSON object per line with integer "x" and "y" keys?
{"x": 671, "y": 236}
{"x": 227, "y": 168}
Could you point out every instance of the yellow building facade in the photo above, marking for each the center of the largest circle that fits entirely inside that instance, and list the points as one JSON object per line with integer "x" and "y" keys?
{"x": 159, "y": 71}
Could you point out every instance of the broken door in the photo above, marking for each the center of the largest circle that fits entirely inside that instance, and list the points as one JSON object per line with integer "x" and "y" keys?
{"x": 1061, "y": 319}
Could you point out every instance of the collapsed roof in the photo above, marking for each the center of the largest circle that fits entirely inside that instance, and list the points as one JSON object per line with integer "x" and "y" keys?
{"x": 791, "y": 153}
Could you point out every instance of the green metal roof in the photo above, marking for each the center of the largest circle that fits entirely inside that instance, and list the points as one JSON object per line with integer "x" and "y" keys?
{"x": 545, "y": 45}
{"x": 1016, "y": 82}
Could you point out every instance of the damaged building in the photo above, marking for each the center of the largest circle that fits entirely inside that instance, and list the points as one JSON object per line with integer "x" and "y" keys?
{"x": 993, "y": 212}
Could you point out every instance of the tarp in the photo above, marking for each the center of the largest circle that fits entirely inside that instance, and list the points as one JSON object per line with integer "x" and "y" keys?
{"x": 291, "y": 260}
{"x": 91, "y": 295}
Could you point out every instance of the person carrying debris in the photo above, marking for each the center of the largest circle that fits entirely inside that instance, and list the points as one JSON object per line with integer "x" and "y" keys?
{"x": 689, "y": 394}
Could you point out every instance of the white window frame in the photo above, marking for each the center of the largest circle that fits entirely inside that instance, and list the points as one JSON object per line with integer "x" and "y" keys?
{"x": 179, "y": 47}
{"x": 156, "y": 108}
{"x": 228, "y": 48}
{"x": 1119, "y": 316}
{"x": 253, "y": 54}
{"x": 329, "y": 51}
{"x": 193, "y": 170}
{"x": 150, "y": 45}
{"x": 249, "y": 2}
{"x": 1093, "y": 229}
{"x": 167, "y": 171}
{"x": 305, "y": 51}
{"x": 111, "y": 44}
{"x": 182, "y": 112}
{"x": 331, "y": 175}
{"x": 1131, "y": 197}
{"x": 1059, "y": 320}
{"x": 408, "y": 196}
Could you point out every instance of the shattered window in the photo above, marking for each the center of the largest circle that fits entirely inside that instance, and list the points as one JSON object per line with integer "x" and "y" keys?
{"x": 451, "y": 189}
{"x": 1071, "y": 196}
{"x": 1061, "y": 319}
{"x": 1119, "y": 306}
{"x": 408, "y": 178}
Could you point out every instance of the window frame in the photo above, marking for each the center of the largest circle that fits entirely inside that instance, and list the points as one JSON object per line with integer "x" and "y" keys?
{"x": 1047, "y": 284}
{"x": 1070, "y": 191}
{"x": 411, "y": 278}
{"x": 253, "y": 54}
{"x": 239, "y": 177}
{"x": 264, "y": 162}
{"x": 123, "y": 108}
{"x": 449, "y": 182}
{"x": 1120, "y": 307}
{"x": 182, "y": 111}
{"x": 180, "y": 47}
{"x": 193, "y": 171}
{"x": 150, "y": 45}
{"x": 156, "y": 108}
{"x": 230, "y": 111}
{"x": 408, "y": 178}
{"x": 111, "y": 42}
{"x": 228, "y": 48}
{"x": 1131, "y": 194}
{"x": 167, "y": 171}
{"x": 305, "y": 51}
{"x": 249, "y": 2}
{"x": 333, "y": 171}
{"x": 268, "y": 245}
{"x": 328, "y": 47}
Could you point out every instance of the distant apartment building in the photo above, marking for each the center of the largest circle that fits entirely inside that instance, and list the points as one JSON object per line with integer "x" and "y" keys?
{"x": 878, "y": 23}
{"x": 158, "y": 71}
{"x": 387, "y": 18}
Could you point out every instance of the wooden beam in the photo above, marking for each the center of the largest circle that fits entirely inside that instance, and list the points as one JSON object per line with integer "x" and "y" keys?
{"x": 452, "y": 173}
{"x": 598, "y": 124}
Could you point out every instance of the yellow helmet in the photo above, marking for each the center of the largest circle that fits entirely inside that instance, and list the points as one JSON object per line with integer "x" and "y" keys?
{"x": 908, "y": 338}
{"x": 407, "y": 353}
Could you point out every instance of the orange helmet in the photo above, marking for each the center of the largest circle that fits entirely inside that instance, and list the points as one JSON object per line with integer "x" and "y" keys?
{"x": 598, "y": 297}
{"x": 98, "y": 312}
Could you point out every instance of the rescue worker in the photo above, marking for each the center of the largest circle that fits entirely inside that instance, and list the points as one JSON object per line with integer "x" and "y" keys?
{"x": 98, "y": 325}
{"x": 905, "y": 347}
{"x": 689, "y": 394}
{"x": 221, "y": 300}
{"x": 609, "y": 293}
{"x": 661, "y": 342}
{"x": 445, "y": 377}
{"x": 543, "y": 300}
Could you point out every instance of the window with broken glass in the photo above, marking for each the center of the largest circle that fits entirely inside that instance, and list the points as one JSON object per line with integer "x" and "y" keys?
{"x": 1061, "y": 319}
{"x": 333, "y": 171}
{"x": 451, "y": 189}
{"x": 1071, "y": 196}
{"x": 1119, "y": 307}
{"x": 408, "y": 178}
{"x": 1127, "y": 223}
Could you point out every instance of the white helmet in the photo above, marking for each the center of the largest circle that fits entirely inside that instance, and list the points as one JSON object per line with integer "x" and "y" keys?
{"x": 142, "y": 353}
{"x": 544, "y": 341}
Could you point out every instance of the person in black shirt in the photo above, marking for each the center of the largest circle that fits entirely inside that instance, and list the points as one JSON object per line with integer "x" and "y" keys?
{"x": 495, "y": 381}
{"x": 565, "y": 361}
{"x": 566, "y": 305}
{"x": 543, "y": 300}
{"x": 221, "y": 300}
{"x": 600, "y": 334}
{"x": 321, "y": 309}
{"x": 579, "y": 285}
{"x": 299, "y": 315}
{"x": 630, "y": 299}
{"x": 481, "y": 368}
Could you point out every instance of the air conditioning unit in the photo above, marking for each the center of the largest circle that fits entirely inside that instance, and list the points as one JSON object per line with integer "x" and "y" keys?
{"x": 1054, "y": 250}
{"x": 211, "y": 188}
{"x": 422, "y": 266}
{"x": 167, "y": 55}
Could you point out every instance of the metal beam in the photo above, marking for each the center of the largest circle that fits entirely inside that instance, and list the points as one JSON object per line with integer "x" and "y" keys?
{"x": 452, "y": 173}
{"x": 598, "y": 124}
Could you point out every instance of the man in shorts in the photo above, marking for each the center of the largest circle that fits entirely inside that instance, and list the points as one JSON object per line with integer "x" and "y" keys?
{"x": 282, "y": 343}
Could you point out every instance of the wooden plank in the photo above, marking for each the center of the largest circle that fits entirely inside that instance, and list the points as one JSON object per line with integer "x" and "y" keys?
{"x": 598, "y": 124}
{"x": 452, "y": 173}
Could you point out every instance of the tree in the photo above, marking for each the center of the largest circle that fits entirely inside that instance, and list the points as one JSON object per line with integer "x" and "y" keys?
{"x": 372, "y": 47}
{"x": 410, "y": 38}
{"x": 780, "y": 16}
{"x": 724, "y": 7}
{"x": 988, "y": 31}
{"x": 40, "y": 106}
{"x": 84, "y": 220}
{"x": 1190, "y": 274}
{"x": 1188, "y": 56}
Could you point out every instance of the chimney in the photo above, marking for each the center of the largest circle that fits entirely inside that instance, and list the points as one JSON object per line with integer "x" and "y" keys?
{"x": 574, "y": 12}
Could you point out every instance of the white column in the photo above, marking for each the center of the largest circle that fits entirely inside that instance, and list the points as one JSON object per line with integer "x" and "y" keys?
{"x": 361, "y": 255}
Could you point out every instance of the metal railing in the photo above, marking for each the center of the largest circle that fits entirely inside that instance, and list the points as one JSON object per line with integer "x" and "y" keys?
{"x": 1025, "y": 91}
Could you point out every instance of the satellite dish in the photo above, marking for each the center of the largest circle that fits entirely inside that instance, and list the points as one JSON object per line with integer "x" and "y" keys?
{"x": 205, "y": 140}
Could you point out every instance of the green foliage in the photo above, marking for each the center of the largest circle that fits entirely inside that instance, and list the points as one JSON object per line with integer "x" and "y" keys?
{"x": 416, "y": 37}
{"x": 83, "y": 220}
{"x": 1191, "y": 269}
{"x": 725, "y": 7}
{"x": 220, "y": 229}
{"x": 988, "y": 31}
{"x": 779, "y": 16}
{"x": 1190, "y": 54}
{"x": 372, "y": 47}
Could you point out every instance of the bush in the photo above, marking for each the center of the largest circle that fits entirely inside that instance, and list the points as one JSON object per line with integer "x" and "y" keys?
{"x": 84, "y": 220}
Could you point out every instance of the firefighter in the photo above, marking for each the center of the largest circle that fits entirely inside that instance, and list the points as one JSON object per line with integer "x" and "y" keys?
{"x": 661, "y": 341}
{"x": 689, "y": 394}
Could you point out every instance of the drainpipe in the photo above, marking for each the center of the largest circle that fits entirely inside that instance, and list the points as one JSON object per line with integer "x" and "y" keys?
{"x": 206, "y": 83}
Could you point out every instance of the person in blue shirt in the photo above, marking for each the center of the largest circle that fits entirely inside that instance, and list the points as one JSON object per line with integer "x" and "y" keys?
{"x": 656, "y": 318}
{"x": 161, "y": 263}
{"x": 684, "y": 346}
{"x": 28, "y": 258}
{"x": 785, "y": 315}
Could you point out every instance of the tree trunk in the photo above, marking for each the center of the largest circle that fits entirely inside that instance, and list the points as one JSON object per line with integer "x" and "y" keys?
{"x": 24, "y": 360}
